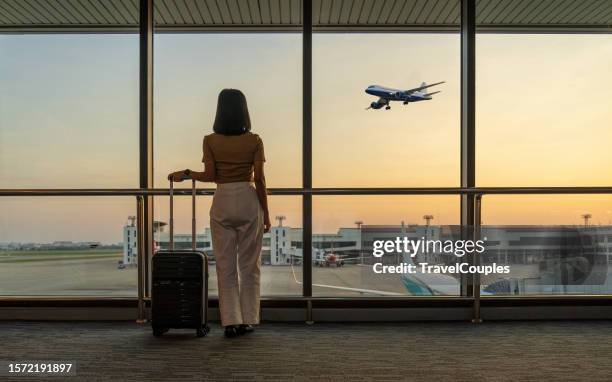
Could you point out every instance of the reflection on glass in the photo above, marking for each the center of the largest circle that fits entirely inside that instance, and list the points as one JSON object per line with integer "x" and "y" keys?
{"x": 281, "y": 269}
{"x": 566, "y": 252}
{"x": 82, "y": 246}
{"x": 346, "y": 227}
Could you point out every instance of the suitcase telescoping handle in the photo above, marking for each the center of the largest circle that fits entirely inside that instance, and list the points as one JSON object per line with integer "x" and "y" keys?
{"x": 193, "y": 214}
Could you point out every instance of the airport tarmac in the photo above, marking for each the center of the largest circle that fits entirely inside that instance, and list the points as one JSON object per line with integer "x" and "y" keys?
{"x": 101, "y": 277}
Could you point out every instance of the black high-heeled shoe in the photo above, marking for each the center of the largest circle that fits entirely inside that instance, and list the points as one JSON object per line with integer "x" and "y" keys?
{"x": 231, "y": 331}
{"x": 245, "y": 329}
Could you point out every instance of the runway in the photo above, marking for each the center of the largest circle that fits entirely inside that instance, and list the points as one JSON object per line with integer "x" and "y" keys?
{"x": 97, "y": 274}
{"x": 100, "y": 276}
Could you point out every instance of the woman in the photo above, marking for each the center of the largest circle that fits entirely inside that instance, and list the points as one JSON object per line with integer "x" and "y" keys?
{"x": 234, "y": 159}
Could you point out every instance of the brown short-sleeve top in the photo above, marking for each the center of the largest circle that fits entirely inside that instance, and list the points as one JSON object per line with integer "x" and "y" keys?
{"x": 233, "y": 155}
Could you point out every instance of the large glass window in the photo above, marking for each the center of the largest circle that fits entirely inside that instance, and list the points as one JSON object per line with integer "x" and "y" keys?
{"x": 69, "y": 111}
{"x": 413, "y": 144}
{"x": 191, "y": 70}
{"x": 345, "y": 227}
{"x": 68, "y": 246}
{"x": 542, "y": 110}
{"x": 551, "y": 244}
{"x": 68, "y": 119}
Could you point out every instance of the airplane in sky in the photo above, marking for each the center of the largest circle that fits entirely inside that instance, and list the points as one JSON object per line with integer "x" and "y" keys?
{"x": 386, "y": 95}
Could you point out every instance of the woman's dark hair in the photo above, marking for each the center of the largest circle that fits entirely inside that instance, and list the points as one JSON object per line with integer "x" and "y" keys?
{"x": 232, "y": 113}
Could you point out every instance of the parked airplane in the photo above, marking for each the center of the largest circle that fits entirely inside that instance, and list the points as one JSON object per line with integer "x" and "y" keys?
{"x": 386, "y": 95}
{"x": 321, "y": 258}
{"x": 328, "y": 259}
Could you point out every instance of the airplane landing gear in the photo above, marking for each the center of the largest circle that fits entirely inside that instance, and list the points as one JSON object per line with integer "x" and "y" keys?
{"x": 388, "y": 108}
{"x": 405, "y": 102}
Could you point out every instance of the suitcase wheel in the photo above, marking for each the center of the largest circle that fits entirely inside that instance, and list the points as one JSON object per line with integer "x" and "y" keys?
{"x": 203, "y": 331}
{"x": 158, "y": 332}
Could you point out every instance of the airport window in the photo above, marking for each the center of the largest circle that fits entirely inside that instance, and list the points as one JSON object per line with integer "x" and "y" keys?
{"x": 542, "y": 119}
{"x": 82, "y": 256}
{"x": 68, "y": 111}
{"x": 191, "y": 70}
{"x": 345, "y": 265}
{"x": 534, "y": 129}
{"x": 549, "y": 243}
{"x": 416, "y": 143}
{"x": 552, "y": 104}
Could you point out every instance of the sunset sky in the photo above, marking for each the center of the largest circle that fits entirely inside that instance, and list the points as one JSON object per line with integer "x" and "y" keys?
{"x": 69, "y": 119}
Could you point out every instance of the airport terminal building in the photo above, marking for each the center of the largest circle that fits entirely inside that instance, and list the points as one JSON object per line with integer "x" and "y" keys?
{"x": 541, "y": 259}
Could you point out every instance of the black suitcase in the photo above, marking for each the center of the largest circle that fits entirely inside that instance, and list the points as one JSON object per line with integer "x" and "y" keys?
{"x": 179, "y": 298}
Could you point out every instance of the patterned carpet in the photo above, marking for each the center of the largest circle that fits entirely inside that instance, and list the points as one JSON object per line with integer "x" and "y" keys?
{"x": 503, "y": 351}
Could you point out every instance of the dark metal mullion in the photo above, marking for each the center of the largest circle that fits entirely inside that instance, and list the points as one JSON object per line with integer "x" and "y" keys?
{"x": 468, "y": 135}
{"x": 307, "y": 147}
{"x": 146, "y": 128}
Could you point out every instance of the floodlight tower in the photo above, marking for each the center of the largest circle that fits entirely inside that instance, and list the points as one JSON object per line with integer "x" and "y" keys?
{"x": 428, "y": 219}
{"x": 586, "y": 218}
{"x": 280, "y": 219}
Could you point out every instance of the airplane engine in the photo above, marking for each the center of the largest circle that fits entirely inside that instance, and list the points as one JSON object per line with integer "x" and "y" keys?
{"x": 376, "y": 105}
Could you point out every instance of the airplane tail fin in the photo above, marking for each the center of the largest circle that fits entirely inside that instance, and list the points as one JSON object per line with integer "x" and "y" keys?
{"x": 423, "y": 84}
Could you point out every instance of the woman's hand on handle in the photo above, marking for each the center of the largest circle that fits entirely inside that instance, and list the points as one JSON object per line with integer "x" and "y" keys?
{"x": 179, "y": 176}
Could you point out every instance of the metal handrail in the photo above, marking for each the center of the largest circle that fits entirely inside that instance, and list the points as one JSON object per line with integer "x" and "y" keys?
{"x": 478, "y": 192}
{"x": 313, "y": 191}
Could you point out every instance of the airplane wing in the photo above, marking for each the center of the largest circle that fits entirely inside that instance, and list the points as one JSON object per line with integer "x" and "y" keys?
{"x": 424, "y": 284}
{"x": 423, "y": 87}
{"x": 432, "y": 93}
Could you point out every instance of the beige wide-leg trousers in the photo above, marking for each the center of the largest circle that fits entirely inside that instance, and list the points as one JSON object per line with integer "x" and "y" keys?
{"x": 236, "y": 222}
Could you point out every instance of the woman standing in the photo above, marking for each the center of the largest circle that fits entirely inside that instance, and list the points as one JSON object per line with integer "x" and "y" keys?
{"x": 234, "y": 159}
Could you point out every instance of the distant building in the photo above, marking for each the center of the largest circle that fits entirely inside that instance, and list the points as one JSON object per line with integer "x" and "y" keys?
{"x": 130, "y": 240}
{"x": 280, "y": 246}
